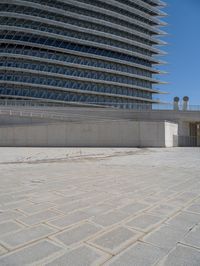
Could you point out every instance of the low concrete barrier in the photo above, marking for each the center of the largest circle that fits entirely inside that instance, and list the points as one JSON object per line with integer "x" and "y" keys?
{"x": 90, "y": 134}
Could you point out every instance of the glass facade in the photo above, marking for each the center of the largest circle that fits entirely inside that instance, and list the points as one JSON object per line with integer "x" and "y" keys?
{"x": 90, "y": 51}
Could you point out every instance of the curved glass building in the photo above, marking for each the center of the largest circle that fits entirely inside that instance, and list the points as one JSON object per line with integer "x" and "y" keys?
{"x": 80, "y": 51}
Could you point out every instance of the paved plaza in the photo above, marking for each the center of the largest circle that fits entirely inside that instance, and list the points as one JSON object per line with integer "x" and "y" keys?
{"x": 80, "y": 207}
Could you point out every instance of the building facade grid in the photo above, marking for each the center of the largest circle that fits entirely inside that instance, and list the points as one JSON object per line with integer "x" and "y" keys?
{"x": 80, "y": 51}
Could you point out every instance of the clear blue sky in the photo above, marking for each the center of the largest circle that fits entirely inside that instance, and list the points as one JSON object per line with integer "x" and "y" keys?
{"x": 183, "y": 50}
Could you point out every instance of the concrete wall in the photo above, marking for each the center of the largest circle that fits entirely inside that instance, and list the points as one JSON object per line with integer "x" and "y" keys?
{"x": 90, "y": 134}
{"x": 17, "y": 120}
{"x": 171, "y": 133}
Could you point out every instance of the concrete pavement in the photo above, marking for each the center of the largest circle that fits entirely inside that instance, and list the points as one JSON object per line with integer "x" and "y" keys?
{"x": 100, "y": 207}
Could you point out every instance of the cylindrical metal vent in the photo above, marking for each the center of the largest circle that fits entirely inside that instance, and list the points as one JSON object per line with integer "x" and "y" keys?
{"x": 176, "y": 103}
{"x": 185, "y": 103}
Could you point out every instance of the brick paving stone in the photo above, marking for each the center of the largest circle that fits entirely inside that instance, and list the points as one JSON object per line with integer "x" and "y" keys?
{"x": 77, "y": 234}
{"x": 183, "y": 199}
{"x": 81, "y": 256}
{"x": 25, "y": 236}
{"x": 184, "y": 221}
{"x": 164, "y": 195}
{"x": 70, "y": 207}
{"x": 98, "y": 209}
{"x": 165, "y": 237}
{"x": 11, "y": 198}
{"x": 193, "y": 208}
{"x": 35, "y": 253}
{"x": 134, "y": 208}
{"x": 164, "y": 210}
{"x": 39, "y": 217}
{"x": 115, "y": 240}
{"x": 35, "y": 208}
{"x": 110, "y": 218}
{"x": 16, "y": 205}
{"x": 182, "y": 256}
{"x": 151, "y": 200}
{"x": 139, "y": 254}
{"x": 121, "y": 200}
{"x": 193, "y": 237}
{"x": 69, "y": 220}
{"x": 8, "y": 227}
{"x": 144, "y": 222}
{"x": 9, "y": 215}
{"x": 42, "y": 198}
{"x": 197, "y": 201}
{"x": 67, "y": 200}
{"x": 2, "y": 250}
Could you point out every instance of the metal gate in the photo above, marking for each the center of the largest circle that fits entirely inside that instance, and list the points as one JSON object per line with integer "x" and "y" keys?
{"x": 188, "y": 141}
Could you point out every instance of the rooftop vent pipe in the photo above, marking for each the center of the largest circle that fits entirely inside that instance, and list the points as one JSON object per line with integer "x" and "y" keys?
{"x": 176, "y": 103}
{"x": 185, "y": 103}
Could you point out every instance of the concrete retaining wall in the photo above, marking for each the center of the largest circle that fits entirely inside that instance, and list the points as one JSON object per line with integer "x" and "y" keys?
{"x": 90, "y": 134}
